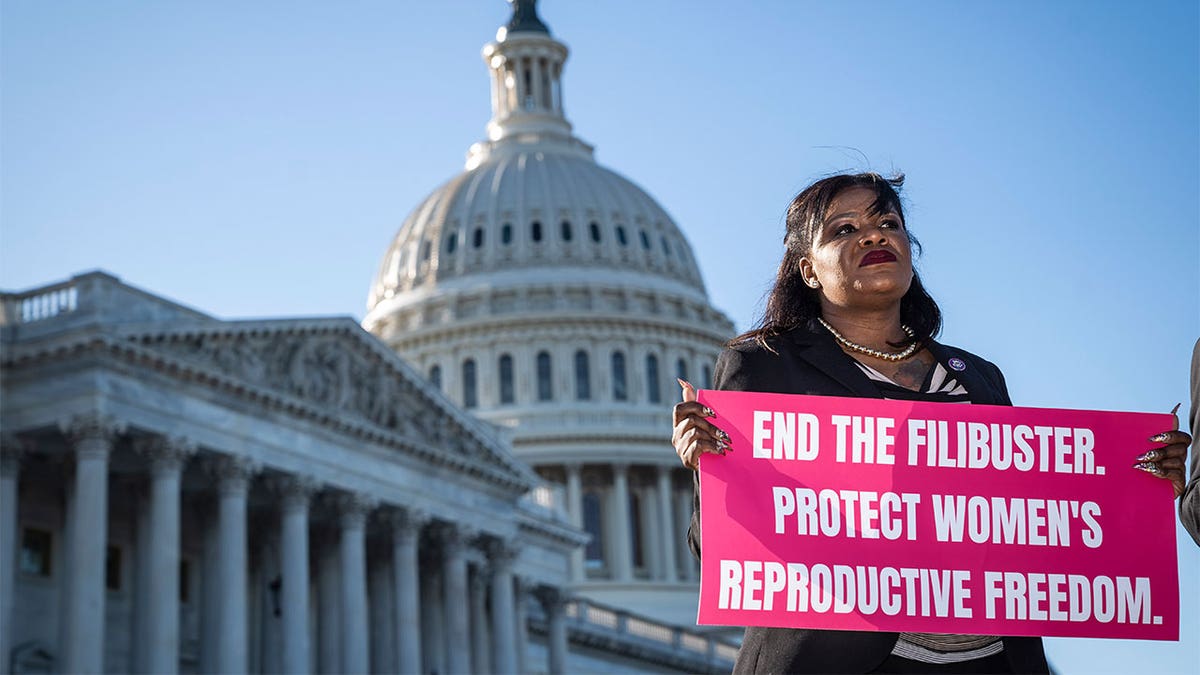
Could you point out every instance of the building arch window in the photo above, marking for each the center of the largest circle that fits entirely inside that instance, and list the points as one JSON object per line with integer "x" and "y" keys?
{"x": 583, "y": 378}
{"x": 652, "y": 392}
{"x": 451, "y": 242}
{"x": 545, "y": 381}
{"x": 594, "y": 230}
{"x": 506, "y": 234}
{"x": 707, "y": 379}
{"x": 666, "y": 247}
{"x": 621, "y": 238}
{"x": 645, "y": 239}
{"x": 507, "y": 391}
{"x": 681, "y": 370}
{"x": 566, "y": 230}
{"x": 593, "y": 524}
{"x": 469, "y": 391}
{"x": 619, "y": 391}
{"x": 477, "y": 237}
{"x": 425, "y": 252}
{"x": 435, "y": 376}
{"x": 535, "y": 230}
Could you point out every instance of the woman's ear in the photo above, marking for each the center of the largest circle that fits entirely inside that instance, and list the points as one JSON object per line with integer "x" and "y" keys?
{"x": 807, "y": 274}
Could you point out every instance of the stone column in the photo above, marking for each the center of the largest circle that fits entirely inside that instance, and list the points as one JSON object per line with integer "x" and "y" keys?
{"x": 481, "y": 652}
{"x": 454, "y": 543}
{"x": 92, "y": 436}
{"x": 554, "y": 604}
{"x": 11, "y": 449}
{"x": 161, "y": 624}
{"x": 668, "y": 538}
{"x": 295, "y": 496}
{"x": 232, "y": 474}
{"x": 574, "y": 498}
{"x": 352, "y": 511}
{"x": 406, "y": 530}
{"x": 621, "y": 538}
{"x": 210, "y": 600}
{"x": 684, "y": 518}
{"x": 521, "y": 587}
{"x": 501, "y": 555}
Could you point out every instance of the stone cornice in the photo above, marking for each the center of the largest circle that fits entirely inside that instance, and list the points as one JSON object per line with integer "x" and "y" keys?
{"x": 234, "y": 358}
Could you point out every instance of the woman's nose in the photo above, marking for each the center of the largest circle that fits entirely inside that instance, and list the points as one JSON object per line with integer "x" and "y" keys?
{"x": 873, "y": 235}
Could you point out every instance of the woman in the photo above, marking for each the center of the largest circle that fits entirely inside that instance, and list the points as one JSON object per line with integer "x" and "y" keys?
{"x": 848, "y": 316}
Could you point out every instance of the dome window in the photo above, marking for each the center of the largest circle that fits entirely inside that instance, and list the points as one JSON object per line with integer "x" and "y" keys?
{"x": 425, "y": 251}
{"x": 477, "y": 237}
{"x": 681, "y": 370}
{"x": 594, "y": 228}
{"x": 506, "y": 234}
{"x": 435, "y": 376}
{"x": 536, "y": 230}
{"x": 645, "y": 239}
{"x": 451, "y": 242}
{"x": 666, "y": 247}
{"x": 469, "y": 391}
{"x": 583, "y": 380}
{"x": 507, "y": 394}
{"x": 593, "y": 524}
{"x": 652, "y": 392}
{"x": 619, "y": 392}
{"x": 566, "y": 230}
{"x": 545, "y": 389}
{"x": 707, "y": 377}
{"x": 621, "y": 239}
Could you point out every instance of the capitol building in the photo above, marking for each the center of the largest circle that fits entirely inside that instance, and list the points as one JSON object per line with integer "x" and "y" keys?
{"x": 478, "y": 478}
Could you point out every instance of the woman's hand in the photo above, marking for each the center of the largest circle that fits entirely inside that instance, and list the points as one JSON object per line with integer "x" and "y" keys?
{"x": 693, "y": 434}
{"x": 1168, "y": 461}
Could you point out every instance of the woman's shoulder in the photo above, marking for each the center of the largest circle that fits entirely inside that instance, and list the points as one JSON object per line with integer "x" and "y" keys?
{"x": 761, "y": 363}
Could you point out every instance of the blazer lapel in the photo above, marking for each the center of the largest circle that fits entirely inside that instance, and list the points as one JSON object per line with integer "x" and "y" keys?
{"x": 978, "y": 387}
{"x": 820, "y": 351}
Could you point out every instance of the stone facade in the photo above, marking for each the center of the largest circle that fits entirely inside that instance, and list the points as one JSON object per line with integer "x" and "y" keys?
{"x": 185, "y": 494}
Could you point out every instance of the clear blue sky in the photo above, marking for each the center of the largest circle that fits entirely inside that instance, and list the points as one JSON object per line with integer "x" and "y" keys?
{"x": 254, "y": 159}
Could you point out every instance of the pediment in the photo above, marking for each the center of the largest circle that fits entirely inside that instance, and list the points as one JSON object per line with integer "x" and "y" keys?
{"x": 334, "y": 366}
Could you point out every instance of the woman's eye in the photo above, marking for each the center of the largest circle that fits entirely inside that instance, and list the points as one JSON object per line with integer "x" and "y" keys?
{"x": 844, "y": 228}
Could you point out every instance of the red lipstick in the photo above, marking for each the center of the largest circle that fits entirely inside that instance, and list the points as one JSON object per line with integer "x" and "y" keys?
{"x": 876, "y": 257}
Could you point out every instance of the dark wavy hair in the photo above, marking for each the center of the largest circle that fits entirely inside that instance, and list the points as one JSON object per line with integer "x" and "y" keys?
{"x": 792, "y": 303}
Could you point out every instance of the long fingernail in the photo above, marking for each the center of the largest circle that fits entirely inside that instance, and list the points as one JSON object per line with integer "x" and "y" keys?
{"x": 1160, "y": 438}
{"x": 1148, "y": 467}
{"x": 723, "y": 436}
{"x": 1176, "y": 408}
{"x": 1152, "y": 456}
{"x": 684, "y": 383}
{"x": 708, "y": 412}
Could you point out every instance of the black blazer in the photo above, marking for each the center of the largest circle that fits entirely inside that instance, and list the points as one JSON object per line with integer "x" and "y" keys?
{"x": 810, "y": 362}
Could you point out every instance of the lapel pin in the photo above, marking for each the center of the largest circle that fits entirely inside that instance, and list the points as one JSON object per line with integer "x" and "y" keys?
{"x": 957, "y": 364}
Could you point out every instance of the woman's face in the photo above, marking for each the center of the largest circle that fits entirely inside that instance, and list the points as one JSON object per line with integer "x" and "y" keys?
{"x": 860, "y": 259}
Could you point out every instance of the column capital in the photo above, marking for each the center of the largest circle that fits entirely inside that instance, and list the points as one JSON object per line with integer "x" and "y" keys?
{"x": 91, "y": 426}
{"x": 12, "y": 449}
{"x": 405, "y": 521}
{"x": 552, "y": 598}
{"x": 619, "y": 468}
{"x": 501, "y": 553}
{"x": 232, "y": 472}
{"x": 165, "y": 453}
{"x": 353, "y": 507}
{"x": 294, "y": 491}
{"x": 455, "y": 536}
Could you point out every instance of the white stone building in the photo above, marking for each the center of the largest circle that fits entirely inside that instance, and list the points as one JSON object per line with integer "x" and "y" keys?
{"x": 185, "y": 494}
{"x": 551, "y": 296}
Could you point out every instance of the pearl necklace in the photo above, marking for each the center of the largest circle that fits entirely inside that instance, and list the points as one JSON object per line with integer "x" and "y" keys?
{"x": 854, "y": 346}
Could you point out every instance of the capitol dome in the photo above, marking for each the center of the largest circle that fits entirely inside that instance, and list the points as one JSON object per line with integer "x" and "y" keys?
{"x": 555, "y": 298}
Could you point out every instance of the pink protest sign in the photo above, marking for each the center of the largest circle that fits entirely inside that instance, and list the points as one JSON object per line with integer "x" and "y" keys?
{"x": 865, "y": 514}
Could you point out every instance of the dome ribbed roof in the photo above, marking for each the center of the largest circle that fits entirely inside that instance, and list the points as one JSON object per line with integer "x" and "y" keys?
{"x": 536, "y": 209}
